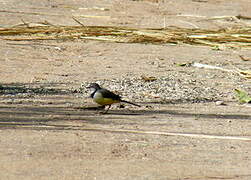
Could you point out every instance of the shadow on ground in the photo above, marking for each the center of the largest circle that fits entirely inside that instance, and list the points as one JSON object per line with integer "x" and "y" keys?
{"x": 15, "y": 116}
{"x": 33, "y": 88}
{"x": 34, "y": 115}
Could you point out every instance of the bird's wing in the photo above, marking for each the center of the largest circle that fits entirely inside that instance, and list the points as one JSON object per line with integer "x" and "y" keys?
{"x": 108, "y": 94}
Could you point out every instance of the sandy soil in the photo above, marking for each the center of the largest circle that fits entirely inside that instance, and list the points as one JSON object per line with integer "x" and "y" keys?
{"x": 46, "y": 135}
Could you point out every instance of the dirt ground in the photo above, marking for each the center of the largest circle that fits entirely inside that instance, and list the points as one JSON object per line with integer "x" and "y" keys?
{"x": 183, "y": 134}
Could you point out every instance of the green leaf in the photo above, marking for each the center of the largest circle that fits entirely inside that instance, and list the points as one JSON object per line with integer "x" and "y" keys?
{"x": 184, "y": 64}
{"x": 242, "y": 96}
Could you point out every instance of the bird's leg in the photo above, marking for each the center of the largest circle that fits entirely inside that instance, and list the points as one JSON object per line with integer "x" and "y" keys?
{"x": 103, "y": 109}
{"x": 107, "y": 109}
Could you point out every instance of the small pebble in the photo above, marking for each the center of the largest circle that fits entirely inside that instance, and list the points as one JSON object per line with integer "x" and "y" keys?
{"x": 220, "y": 103}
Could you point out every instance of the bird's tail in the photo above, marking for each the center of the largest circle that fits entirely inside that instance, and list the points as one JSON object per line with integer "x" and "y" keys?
{"x": 130, "y": 103}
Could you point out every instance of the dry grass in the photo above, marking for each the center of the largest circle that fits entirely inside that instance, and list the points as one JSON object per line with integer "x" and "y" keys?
{"x": 232, "y": 38}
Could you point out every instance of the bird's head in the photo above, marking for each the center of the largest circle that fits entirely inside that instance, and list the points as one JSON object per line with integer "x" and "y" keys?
{"x": 94, "y": 86}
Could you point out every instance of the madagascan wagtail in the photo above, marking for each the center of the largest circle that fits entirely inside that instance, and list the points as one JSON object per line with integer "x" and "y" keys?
{"x": 105, "y": 97}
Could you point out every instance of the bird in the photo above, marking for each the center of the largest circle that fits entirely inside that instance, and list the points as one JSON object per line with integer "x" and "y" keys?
{"x": 105, "y": 97}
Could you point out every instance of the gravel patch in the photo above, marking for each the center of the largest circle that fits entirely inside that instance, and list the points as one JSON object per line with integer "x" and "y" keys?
{"x": 161, "y": 90}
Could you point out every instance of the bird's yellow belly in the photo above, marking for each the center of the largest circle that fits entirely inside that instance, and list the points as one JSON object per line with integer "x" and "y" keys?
{"x": 105, "y": 101}
{"x": 98, "y": 98}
